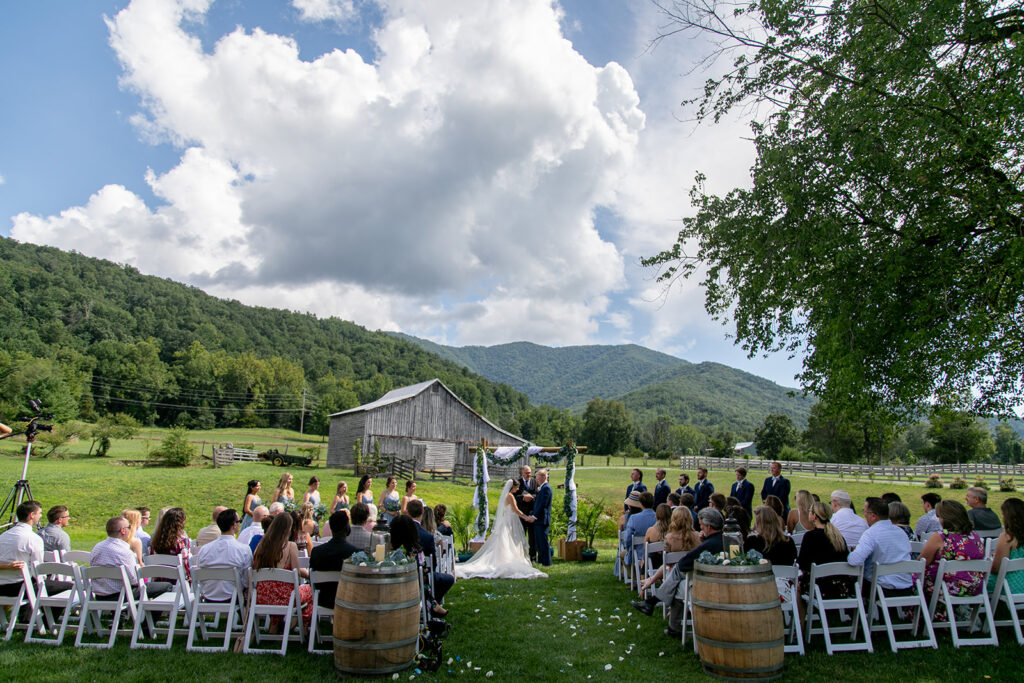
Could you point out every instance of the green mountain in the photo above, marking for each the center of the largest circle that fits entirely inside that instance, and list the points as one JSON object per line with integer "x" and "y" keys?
{"x": 564, "y": 377}
{"x": 650, "y": 383}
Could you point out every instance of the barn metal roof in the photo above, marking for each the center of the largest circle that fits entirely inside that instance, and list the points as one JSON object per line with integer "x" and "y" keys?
{"x": 406, "y": 393}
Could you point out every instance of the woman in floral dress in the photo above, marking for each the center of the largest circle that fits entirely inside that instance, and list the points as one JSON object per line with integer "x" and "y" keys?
{"x": 956, "y": 541}
{"x": 275, "y": 551}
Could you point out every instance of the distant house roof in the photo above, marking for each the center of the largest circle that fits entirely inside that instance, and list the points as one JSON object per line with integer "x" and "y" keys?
{"x": 413, "y": 390}
{"x": 744, "y": 445}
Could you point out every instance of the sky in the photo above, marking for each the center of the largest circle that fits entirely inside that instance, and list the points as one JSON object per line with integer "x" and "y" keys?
{"x": 473, "y": 172}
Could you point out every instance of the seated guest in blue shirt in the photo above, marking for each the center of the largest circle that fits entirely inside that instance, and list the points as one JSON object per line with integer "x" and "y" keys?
{"x": 882, "y": 543}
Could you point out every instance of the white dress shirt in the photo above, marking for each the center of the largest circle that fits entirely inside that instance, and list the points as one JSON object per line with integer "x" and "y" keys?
{"x": 20, "y": 542}
{"x": 224, "y": 551}
{"x": 112, "y": 552}
{"x": 882, "y": 543}
{"x": 246, "y": 534}
{"x": 850, "y": 525}
{"x": 927, "y": 525}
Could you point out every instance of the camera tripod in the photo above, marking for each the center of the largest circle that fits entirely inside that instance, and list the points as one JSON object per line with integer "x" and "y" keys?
{"x": 21, "y": 491}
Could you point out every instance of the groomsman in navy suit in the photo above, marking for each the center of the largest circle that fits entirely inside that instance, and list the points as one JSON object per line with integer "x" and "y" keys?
{"x": 636, "y": 485}
{"x": 541, "y": 517}
{"x": 778, "y": 486}
{"x": 702, "y": 490}
{"x": 743, "y": 491}
{"x": 684, "y": 485}
{"x": 662, "y": 490}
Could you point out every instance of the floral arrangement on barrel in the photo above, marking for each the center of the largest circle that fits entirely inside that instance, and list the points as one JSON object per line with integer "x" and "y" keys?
{"x": 748, "y": 559}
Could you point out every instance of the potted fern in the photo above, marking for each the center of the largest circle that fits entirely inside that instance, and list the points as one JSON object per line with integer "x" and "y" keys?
{"x": 588, "y": 521}
{"x": 463, "y": 518}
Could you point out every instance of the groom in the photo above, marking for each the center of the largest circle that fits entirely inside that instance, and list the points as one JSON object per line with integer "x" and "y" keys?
{"x": 541, "y": 517}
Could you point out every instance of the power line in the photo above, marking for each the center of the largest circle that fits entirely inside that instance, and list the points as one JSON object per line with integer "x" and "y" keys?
{"x": 122, "y": 384}
{"x": 214, "y": 409}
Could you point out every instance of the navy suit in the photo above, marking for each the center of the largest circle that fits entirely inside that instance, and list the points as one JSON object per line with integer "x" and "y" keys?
{"x": 779, "y": 489}
{"x": 635, "y": 486}
{"x": 744, "y": 492}
{"x": 661, "y": 492}
{"x": 542, "y": 511}
{"x": 686, "y": 489}
{"x": 702, "y": 494}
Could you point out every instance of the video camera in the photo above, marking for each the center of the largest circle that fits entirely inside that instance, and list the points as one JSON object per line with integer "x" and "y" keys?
{"x": 34, "y": 425}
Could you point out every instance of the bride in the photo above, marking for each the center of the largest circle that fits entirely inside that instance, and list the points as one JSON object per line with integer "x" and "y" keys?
{"x": 504, "y": 554}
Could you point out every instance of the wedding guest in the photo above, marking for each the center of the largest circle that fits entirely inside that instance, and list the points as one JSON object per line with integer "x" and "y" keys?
{"x": 160, "y": 517}
{"x": 340, "y": 501}
{"x": 113, "y": 551}
{"x": 284, "y": 493}
{"x": 845, "y": 519}
{"x": 444, "y": 527}
{"x": 775, "y": 503}
{"x": 673, "y": 500}
{"x": 636, "y": 484}
{"x": 224, "y": 552}
{"x": 769, "y": 539}
{"x": 141, "y": 532}
{"x": 302, "y": 540}
{"x": 799, "y": 519}
{"x": 638, "y": 523}
{"x": 21, "y": 543}
{"x": 210, "y": 532}
{"x": 882, "y": 543}
{"x": 740, "y": 516}
{"x": 956, "y": 541}
{"x": 686, "y": 501}
{"x": 170, "y": 538}
{"x": 53, "y": 535}
{"x": 981, "y": 516}
{"x": 309, "y": 524}
{"x": 681, "y": 535}
{"x": 661, "y": 489}
{"x": 702, "y": 490}
{"x": 717, "y": 501}
{"x": 822, "y": 544}
{"x": 259, "y": 513}
{"x": 684, "y": 485}
{"x": 410, "y": 495}
{"x": 899, "y": 515}
{"x": 134, "y": 520}
{"x": 1009, "y": 545}
{"x": 891, "y": 497}
{"x": 777, "y": 485}
{"x": 251, "y": 502}
{"x": 442, "y": 581}
{"x": 743, "y": 490}
{"x": 361, "y": 537}
{"x": 312, "y": 494}
{"x": 254, "y": 542}
{"x": 927, "y": 524}
{"x": 277, "y": 551}
{"x": 328, "y": 557}
{"x": 656, "y": 532}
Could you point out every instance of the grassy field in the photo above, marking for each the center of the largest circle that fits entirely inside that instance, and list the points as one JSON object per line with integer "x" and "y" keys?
{"x": 570, "y": 626}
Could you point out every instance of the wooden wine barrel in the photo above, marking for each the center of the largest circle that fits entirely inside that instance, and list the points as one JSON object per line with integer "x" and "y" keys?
{"x": 737, "y": 618}
{"x": 376, "y": 619}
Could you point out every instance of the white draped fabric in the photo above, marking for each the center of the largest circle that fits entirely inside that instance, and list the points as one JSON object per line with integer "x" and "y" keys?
{"x": 504, "y": 554}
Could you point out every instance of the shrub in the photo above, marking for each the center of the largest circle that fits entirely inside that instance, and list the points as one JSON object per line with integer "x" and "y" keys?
{"x": 1006, "y": 485}
{"x": 958, "y": 483}
{"x": 933, "y": 481}
{"x": 981, "y": 484}
{"x": 175, "y": 450}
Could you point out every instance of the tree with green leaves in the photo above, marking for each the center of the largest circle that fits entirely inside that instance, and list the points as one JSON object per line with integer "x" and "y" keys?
{"x": 656, "y": 436}
{"x": 686, "y": 439}
{"x": 1009, "y": 447}
{"x": 773, "y": 435}
{"x": 109, "y": 427}
{"x": 607, "y": 426}
{"x": 846, "y": 434}
{"x": 882, "y": 234}
{"x": 958, "y": 437}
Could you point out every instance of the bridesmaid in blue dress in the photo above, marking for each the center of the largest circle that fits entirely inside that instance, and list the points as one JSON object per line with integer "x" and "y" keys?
{"x": 312, "y": 494}
{"x": 252, "y": 501}
{"x": 364, "y": 494}
{"x": 340, "y": 501}
{"x": 284, "y": 493}
{"x": 390, "y": 503}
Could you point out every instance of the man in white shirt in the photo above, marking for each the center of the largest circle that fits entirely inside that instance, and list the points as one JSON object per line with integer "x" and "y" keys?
{"x": 845, "y": 519}
{"x": 224, "y": 551}
{"x": 258, "y": 514}
{"x": 928, "y": 523}
{"x": 114, "y": 551}
{"x": 882, "y": 543}
{"x": 21, "y": 543}
{"x": 210, "y": 532}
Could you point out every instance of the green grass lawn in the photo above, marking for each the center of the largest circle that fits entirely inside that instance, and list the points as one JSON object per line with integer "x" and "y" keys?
{"x": 570, "y": 626}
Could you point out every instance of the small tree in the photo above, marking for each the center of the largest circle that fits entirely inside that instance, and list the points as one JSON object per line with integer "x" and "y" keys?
{"x": 175, "y": 450}
{"x": 109, "y": 427}
{"x": 589, "y": 515}
{"x": 462, "y": 518}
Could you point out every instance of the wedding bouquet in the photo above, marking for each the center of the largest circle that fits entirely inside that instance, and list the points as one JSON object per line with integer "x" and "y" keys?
{"x": 391, "y": 505}
{"x": 751, "y": 557}
{"x": 320, "y": 512}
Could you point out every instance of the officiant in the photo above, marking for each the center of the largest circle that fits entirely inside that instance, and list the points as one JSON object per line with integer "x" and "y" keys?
{"x": 524, "y": 501}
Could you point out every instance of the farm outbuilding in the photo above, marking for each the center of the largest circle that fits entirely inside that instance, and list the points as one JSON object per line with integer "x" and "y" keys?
{"x": 426, "y": 422}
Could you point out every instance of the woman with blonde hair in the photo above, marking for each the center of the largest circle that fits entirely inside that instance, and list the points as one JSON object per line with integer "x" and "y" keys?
{"x": 768, "y": 538}
{"x": 340, "y": 501}
{"x": 134, "y": 518}
{"x": 309, "y": 524}
{"x": 284, "y": 493}
{"x": 823, "y": 544}
{"x": 799, "y": 519}
{"x": 656, "y": 532}
{"x": 679, "y": 537}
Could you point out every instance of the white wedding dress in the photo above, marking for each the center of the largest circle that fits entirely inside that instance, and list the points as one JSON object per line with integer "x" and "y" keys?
{"x": 504, "y": 554}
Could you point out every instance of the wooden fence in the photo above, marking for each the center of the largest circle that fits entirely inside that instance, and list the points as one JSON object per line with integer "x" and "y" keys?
{"x": 990, "y": 472}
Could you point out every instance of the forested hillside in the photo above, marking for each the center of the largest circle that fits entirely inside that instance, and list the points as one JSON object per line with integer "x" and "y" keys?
{"x": 92, "y": 337}
{"x": 564, "y": 377}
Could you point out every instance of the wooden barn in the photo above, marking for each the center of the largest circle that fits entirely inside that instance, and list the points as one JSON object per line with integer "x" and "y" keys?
{"x": 426, "y": 422}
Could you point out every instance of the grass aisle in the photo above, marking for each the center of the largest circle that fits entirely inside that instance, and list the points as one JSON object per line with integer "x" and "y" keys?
{"x": 571, "y": 626}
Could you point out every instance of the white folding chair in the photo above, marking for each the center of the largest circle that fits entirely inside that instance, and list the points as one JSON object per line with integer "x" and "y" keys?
{"x": 92, "y": 608}
{"x": 787, "y": 577}
{"x": 51, "y": 556}
{"x": 818, "y": 608}
{"x": 634, "y": 567}
{"x": 650, "y": 549}
{"x": 990, "y": 547}
{"x": 1013, "y": 601}
{"x": 975, "y": 603}
{"x": 303, "y": 561}
{"x": 319, "y": 613}
{"x": 880, "y": 602}
{"x": 68, "y": 601}
{"x": 669, "y": 560}
{"x": 988, "y": 533}
{"x": 77, "y": 556}
{"x": 26, "y": 597}
{"x": 798, "y": 538}
{"x": 915, "y": 548}
{"x": 257, "y": 610}
{"x": 232, "y": 610}
{"x": 164, "y": 560}
{"x": 171, "y": 603}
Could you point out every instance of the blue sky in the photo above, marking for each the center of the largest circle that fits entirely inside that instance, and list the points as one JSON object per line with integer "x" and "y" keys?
{"x": 468, "y": 171}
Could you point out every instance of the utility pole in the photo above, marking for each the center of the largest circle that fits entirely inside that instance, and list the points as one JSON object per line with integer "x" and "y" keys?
{"x": 302, "y": 415}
